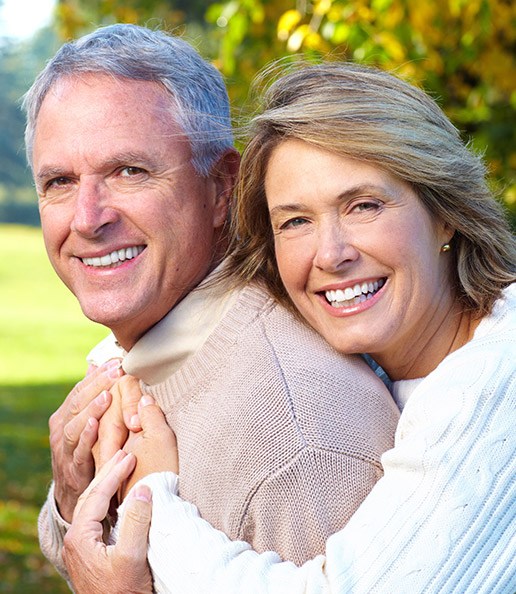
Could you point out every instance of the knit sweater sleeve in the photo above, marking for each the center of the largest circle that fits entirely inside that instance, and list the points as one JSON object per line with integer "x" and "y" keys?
{"x": 51, "y": 531}
{"x": 438, "y": 521}
{"x": 295, "y": 509}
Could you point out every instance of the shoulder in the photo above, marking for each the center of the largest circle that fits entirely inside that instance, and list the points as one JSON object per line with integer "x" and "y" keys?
{"x": 474, "y": 386}
{"x": 489, "y": 357}
{"x": 336, "y": 399}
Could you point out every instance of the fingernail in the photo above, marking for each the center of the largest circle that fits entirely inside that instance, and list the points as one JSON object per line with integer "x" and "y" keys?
{"x": 102, "y": 398}
{"x": 143, "y": 493}
{"x": 146, "y": 400}
{"x": 114, "y": 368}
{"x": 120, "y": 455}
{"x": 135, "y": 421}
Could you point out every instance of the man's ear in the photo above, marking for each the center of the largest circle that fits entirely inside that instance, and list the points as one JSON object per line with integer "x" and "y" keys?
{"x": 224, "y": 175}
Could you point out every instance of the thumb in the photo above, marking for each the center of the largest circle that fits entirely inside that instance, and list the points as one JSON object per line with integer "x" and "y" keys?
{"x": 135, "y": 524}
{"x": 159, "y": 436}
{"x": 151, "y": 416}
{"x": 130, "y": 394}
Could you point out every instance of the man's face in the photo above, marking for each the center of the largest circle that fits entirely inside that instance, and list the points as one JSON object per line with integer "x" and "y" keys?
{"x": 129, "y": 225}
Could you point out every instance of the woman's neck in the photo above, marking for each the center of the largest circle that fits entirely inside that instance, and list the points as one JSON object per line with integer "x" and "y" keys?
{"x": 451, "y": 333}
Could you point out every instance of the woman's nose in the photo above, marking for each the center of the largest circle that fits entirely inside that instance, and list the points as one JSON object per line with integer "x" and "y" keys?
{"x": 334, "y": 248}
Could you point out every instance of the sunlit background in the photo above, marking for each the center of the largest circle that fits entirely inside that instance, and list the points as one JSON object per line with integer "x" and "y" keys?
{"x": 20, "y": 19}
{"x": 460, "y": 51}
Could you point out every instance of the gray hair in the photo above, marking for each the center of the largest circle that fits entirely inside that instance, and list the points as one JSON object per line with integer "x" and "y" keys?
{"x": 197, "y": 91}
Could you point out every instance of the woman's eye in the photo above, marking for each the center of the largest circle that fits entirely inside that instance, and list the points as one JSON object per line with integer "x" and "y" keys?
{"x": 367, "y": 206}
{"x": 293, "y": 223}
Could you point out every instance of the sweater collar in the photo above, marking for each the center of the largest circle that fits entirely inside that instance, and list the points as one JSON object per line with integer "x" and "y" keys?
{"x": 182, "y": 332}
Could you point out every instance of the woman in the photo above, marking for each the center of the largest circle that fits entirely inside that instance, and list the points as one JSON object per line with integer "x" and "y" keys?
{"x": 360, "y": 206}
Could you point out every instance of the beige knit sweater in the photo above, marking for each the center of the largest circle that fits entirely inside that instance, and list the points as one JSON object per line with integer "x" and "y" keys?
{"x": 279, "y": 436}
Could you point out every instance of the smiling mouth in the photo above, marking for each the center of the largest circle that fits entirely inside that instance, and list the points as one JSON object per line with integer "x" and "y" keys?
{"x": 354, "y": 295}
{"x": 115, "y": 257}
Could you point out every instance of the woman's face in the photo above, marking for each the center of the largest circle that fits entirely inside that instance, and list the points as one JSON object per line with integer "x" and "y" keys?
{"x": 359, "y": 255}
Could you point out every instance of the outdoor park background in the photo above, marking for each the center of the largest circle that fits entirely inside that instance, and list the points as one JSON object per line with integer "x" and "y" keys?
{"x": 461, "y": 51}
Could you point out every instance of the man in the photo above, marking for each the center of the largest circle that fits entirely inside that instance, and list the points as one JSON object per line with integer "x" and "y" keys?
{"x": 128, "y": 134}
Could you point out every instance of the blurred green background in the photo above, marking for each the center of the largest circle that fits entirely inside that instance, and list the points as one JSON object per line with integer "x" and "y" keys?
{"x": 460, "y": 51}
{"x": 43, "y": 341}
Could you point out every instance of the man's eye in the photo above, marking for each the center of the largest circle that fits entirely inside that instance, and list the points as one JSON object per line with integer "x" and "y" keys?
{"x": 131, "y": 171}
{"x": 57, "y": 182}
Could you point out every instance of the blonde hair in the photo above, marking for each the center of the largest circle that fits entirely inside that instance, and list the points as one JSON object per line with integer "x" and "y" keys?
{"x": 372, "y": 116}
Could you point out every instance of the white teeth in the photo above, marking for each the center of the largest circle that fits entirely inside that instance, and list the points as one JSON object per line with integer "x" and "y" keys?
{"x": 348, "y": 293}
{"x": 114, "y": 257}
{"x": 353, "y": 295}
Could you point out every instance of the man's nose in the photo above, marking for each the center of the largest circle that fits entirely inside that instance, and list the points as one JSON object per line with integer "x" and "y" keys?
{"x": 93, "y": 210}
{"x": 334, "y": 248}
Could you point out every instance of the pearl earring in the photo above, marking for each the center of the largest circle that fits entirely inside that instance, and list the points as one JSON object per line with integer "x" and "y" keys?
{"x": 446, "y": 247}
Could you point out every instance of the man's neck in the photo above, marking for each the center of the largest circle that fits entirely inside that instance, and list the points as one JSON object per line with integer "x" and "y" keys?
{"x": 127, "y": 334}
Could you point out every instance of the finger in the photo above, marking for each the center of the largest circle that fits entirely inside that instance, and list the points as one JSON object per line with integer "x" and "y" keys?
{"x": 130, "y": 394}
{"x": 82, "y": 455}
{"x": 74, "y": 428}
{"x": 151, "y": 415}
{"x": 91, "y": 368}
{"x": 157, "y": 434}
{"x": 112, "y": 430}
{"x": 93, "y": 504}
{"x": 93, "y": 384}
{"x": 135, "y": 523}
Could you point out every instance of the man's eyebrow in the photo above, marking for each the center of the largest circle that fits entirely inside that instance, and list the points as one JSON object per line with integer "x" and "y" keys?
{"x": 48, "y": 173}
{"x": 125, "y": 158}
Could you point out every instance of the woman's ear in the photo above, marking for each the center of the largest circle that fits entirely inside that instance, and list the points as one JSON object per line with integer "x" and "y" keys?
{"x": 446, "y": 233}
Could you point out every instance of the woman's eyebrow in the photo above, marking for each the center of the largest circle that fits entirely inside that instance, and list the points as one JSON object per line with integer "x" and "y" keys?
{"x": 287, "y": 208}
{"x": 347, "y": 194}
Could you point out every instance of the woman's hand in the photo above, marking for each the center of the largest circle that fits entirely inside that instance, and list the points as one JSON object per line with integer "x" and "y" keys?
{"x": 93, "y": 566}
{"x": 120, "y": 418}
{"x": 155, "y": 446}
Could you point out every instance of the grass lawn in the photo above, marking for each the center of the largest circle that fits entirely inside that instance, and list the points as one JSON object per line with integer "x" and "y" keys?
{"x": 43, "y": 340}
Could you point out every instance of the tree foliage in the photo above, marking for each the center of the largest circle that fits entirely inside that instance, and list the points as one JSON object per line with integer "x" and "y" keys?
{"x": 460, "y": 51}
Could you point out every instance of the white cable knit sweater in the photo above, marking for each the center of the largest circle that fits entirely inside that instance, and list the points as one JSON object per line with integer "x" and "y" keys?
{"x": 441, "y": 520}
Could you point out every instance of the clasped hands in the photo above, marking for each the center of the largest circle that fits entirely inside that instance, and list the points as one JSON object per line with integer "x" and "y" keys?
{"x": 105, "y": 427}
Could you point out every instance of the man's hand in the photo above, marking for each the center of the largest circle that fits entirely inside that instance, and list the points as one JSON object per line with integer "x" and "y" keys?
{"x": 94, "y": 567}
{"x": 155, "y": 446}
{"x": 73, "y": 431}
